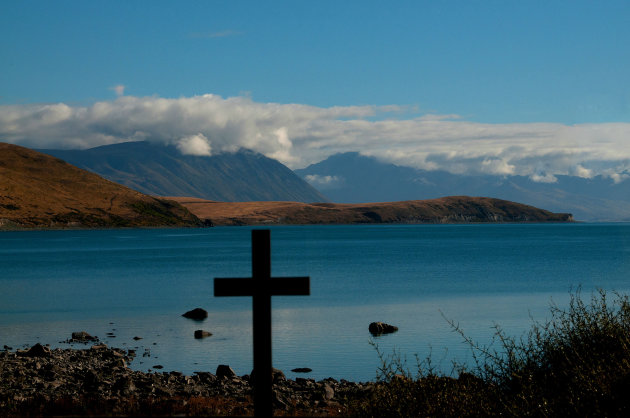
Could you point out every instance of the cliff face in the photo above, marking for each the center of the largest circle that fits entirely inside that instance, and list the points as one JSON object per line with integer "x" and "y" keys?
{"x": 454, "y": 209}
{"x": 37, "y": 190}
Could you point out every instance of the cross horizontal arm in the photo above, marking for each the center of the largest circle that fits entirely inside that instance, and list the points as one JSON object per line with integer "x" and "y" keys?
{"x": 274, "y": 286}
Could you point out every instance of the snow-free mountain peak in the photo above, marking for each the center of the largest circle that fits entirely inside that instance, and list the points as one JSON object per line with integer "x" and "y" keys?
{"x": 162, "y": 170}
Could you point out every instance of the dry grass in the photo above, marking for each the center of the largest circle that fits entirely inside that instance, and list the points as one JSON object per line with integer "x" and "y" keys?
{"x": 443, "y": 210}
{"x": 576, "y": 364}
{"x": 40, "y": 190}
{"x": 158, "y": 407}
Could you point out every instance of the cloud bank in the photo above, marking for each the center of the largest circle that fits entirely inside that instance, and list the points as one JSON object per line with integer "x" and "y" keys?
{"x": 299, "y": 135}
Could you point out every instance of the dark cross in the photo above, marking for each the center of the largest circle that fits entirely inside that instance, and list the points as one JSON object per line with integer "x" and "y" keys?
{"x": 261, "y": 286}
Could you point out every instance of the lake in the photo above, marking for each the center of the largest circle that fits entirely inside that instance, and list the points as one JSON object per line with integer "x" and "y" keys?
{"x": 119, "y": 284}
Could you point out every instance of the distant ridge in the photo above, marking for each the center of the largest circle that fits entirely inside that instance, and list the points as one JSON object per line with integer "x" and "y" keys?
{"x": 37, "y": 190}
{"x": 354, "y": 178}
{"x": 162, "y": 170}
{"x": 453, "y": 209}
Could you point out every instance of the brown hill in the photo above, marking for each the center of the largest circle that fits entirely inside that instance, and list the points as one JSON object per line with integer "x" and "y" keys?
{"x": 454, "y": 209}
{"x": 37, "y": 190}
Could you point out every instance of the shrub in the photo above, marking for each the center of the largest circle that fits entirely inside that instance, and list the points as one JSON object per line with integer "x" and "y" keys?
{"x": 575, "y": 364}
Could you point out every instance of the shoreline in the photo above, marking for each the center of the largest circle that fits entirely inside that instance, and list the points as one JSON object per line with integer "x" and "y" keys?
{"x": 208, "y": 213}
{"x": 98, "y": 381}
{"x": 268, "y": 224}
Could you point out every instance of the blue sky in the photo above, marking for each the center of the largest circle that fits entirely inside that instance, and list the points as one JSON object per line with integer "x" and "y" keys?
{"x": 490, "y": 61}
{"x": 481, "y": 63}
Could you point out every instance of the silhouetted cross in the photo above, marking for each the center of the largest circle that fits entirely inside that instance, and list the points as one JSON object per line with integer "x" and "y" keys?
{"x": 261, "y": 286}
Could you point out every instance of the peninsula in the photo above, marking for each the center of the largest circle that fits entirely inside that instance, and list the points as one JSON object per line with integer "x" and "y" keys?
{"x": 453, "y": 209}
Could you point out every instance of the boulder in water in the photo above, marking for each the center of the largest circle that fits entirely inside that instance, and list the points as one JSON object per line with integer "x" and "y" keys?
{"x": 378, "y": 328}
{"x": 82, "y": 336}
{"x": 197, "y": 314}
{"x": 302, "y": 370}
{"x": 199, "y": 334}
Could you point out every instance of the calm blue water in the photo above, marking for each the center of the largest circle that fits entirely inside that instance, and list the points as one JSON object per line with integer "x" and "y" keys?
{"x": 138, "y": 283}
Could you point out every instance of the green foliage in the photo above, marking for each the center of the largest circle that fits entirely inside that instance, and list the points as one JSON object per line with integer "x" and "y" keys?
{"x": 156, "y": 213}
{"x": 575, "y": 364}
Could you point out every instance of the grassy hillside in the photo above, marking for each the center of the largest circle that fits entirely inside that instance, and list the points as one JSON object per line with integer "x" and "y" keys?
{"x": 37, "y": 190}
{"x": 455, "y": 209}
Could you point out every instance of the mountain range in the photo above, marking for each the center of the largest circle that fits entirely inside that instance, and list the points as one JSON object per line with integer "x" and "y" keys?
{"x": 40, "y": 190}
{"x": 164, "y": 171}
{"x": 343, "y": 178}
{"x": 354, "y": 178}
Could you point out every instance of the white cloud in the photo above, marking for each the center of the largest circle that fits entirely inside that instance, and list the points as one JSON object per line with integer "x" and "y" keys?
{"x": 299, "y": 134}
{"x": 118, "y": 89}
{"x": 433, "y": 117}
{"x": 497, "y": 166}
{"x": 285, "y": 145}
{"x": 619, "y": 173}
{"x": 543, "y": 178}
{"x": 194, "y": 145}
{"x": 323, "y": 182}
{"x": 619, "y": 177}
{"x": 583, "y": 172}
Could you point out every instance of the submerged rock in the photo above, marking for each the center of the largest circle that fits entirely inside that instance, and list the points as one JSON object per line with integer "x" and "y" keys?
{"x": 378, "y": 328}
{"x": 82, "y": 336}
{"x": 99, "y": 347}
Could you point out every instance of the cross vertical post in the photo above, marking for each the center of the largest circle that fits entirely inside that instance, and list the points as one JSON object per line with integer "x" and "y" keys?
{"x": 261, "y": 311}
{"x": 261, "y": 286}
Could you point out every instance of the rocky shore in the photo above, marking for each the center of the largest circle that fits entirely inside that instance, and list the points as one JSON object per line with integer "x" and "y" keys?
{"x": 98, "y": 381}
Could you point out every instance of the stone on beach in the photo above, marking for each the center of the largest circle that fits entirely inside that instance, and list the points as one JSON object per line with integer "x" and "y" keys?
{"x": 101, "y": 374}
{"x": 38, "y": 350}
{"x": 225, "y": 371}
{"x": 277, "y": 375}
{"x": 328, "y": 392}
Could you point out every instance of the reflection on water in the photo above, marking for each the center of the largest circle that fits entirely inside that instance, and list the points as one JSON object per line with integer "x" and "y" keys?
{"x": 333, "y": 341}
{"x": 137, "y": 283}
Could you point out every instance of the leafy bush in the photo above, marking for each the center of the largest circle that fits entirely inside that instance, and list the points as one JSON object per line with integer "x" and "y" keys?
{"x": 575, "y": 364}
